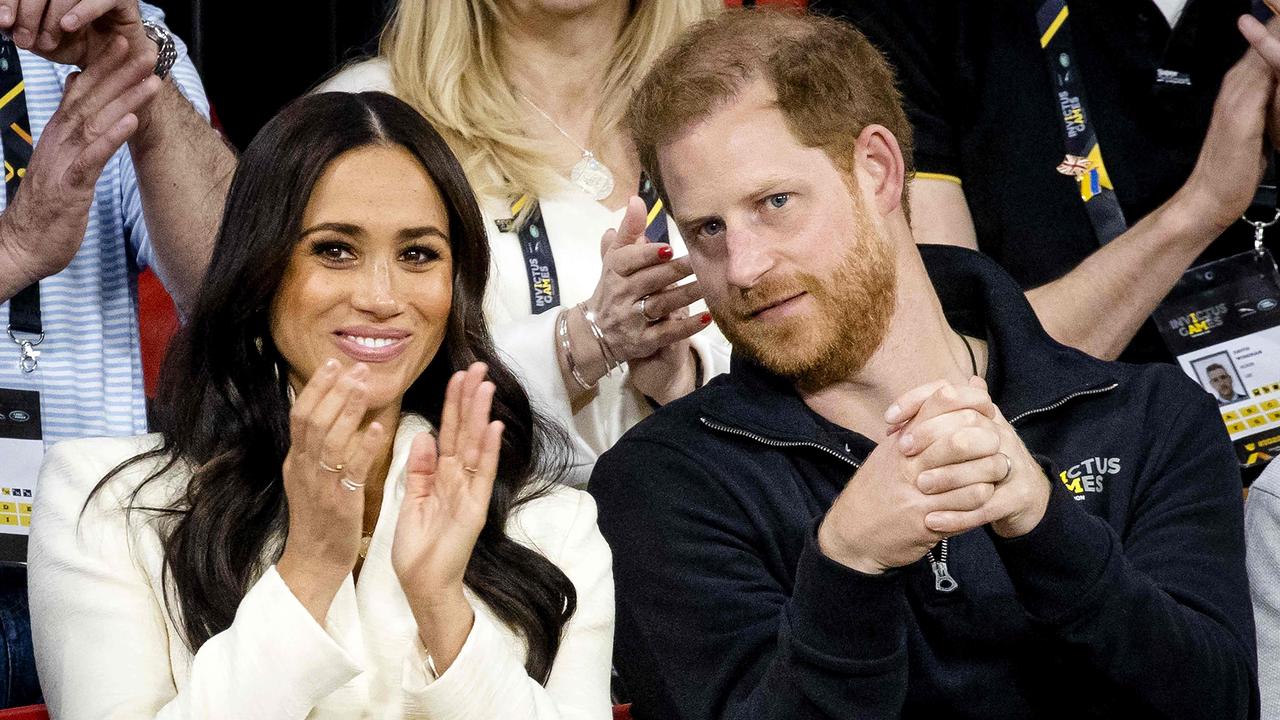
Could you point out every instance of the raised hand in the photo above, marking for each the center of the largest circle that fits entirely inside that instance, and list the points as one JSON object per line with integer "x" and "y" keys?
{"x": 74, "y": 31}
{"x": 945, "y": 441}
{"x": 636, "y": 270}
{"x": 447, "y": 492}
{"x": 42, "y": 231}
{"x": 446, "y": 503}
{"x": 329, "y": 462}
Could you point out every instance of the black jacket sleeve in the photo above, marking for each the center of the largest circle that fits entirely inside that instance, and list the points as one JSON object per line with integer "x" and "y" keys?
{"x": 707, "y": 629}
{"x": 1161, "y": 610}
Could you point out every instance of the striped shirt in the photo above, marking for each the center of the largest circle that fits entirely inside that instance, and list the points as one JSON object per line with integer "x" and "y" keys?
{"x": 90, "y": 372}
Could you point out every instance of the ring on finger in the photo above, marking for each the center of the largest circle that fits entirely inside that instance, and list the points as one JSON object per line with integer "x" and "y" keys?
{"x": 1008, "y": 467}
{"x": 332, "y": 468}
{"x": 470, "y": 470}
{"x": 350, "y": 485}
{"x": 640, "y": 307}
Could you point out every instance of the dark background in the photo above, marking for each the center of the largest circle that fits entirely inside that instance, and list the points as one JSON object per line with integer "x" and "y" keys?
{"x": 256, "y": 56}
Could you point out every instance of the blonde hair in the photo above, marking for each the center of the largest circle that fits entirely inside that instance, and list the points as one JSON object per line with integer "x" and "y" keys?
{"x": 444, "y": 62}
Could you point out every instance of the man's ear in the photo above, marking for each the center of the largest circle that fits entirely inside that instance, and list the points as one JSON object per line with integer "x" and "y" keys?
{"x": 879, "y": 168}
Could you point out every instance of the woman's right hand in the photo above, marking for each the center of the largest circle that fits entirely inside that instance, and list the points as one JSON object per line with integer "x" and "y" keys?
{"x": 327, "y": 446}
{"x": 635, "y": 269}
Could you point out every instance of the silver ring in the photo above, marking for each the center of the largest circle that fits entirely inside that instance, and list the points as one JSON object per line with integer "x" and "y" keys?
{"x": 332, "y": 468}
{"x": 640, "y": 308}
{"x": 1008, "y": 467}
{"x": 351, "y": 486}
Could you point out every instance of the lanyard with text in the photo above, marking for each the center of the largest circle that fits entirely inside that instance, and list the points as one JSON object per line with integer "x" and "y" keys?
{"x": 25, "y": 328}
{"x": 1083, "y": 160}
{"x": 540, "y": 264}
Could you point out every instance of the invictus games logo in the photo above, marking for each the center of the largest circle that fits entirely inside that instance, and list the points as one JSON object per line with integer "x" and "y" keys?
{"x": 1199, "y": 322}
{"x": 1089, "y": 476}
{"x": 1072, "y": 113}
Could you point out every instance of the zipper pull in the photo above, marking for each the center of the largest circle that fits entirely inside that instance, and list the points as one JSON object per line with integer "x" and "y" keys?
{"x": 942, "y": 580}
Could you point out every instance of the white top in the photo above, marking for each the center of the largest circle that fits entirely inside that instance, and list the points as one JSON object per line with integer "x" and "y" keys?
{"x": 1172, "y": 9}
{"x": 575, "y": 224}
{"x": 107, "y": 647}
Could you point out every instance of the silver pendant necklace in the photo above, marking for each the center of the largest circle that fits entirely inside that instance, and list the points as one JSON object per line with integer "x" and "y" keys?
{"x": 589, "y": 174}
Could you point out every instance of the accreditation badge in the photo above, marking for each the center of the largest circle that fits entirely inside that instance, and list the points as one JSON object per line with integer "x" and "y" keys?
{"x": 21, "y": 452}
{"x": 1222, "y": 323}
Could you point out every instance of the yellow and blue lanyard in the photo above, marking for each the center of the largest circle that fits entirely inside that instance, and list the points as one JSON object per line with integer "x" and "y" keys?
{"x": 15, "y": 137}
{"x": 535, "y": 244}
{"x": 1083, "y": 160}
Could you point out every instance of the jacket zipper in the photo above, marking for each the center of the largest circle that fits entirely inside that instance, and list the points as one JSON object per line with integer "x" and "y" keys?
{"x": 942, "y": 580}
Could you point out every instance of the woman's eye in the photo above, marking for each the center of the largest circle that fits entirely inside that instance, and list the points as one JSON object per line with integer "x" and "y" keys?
{"x": 779, "y": 199}
{"x": 333, "y": 252}
{"x": 420, "y": 255}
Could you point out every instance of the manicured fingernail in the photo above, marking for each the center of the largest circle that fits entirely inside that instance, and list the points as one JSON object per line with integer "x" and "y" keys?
{"x": 665, "y": 253}
{"x": 905, "y": 443}
{"x": 706, "y": 318}
{"x": 891, "y": 415}
{"x": 22, "y": 38}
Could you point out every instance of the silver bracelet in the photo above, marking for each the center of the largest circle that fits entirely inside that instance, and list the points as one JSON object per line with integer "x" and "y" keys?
{"x": 610, "y": 361}
{"x": 562, "y": 331}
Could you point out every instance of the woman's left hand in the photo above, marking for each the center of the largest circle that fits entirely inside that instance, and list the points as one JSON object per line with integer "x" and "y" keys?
{"x": 447, "y": 497}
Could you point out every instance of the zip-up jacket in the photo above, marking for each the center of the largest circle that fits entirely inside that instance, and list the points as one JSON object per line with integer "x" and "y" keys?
{"x": 1129, "y": 599}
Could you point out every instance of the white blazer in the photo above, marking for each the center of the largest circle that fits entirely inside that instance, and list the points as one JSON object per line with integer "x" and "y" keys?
{"x": 107, "y": 646}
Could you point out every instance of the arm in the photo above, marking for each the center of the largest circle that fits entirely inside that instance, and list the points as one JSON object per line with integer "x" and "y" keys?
{"x": 1166, "y": 599}
{"x": 183, "y": 168}
{"x": 1262, "y": 531}
{"x": 103, "y": 644}
{"x": 488, "y": 679}
{"x": 707, "y": 629}
{"x": 1126, "y": 279}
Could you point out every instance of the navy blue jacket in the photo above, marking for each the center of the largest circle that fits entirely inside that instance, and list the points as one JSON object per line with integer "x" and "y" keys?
{"x": 1129, "y": 599}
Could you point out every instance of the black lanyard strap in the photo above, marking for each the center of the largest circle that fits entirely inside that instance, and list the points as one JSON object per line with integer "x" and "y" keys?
{"x": 535, "y": 243}
{"x": 15, "y": 138}
{"x": 1083, "y": 160}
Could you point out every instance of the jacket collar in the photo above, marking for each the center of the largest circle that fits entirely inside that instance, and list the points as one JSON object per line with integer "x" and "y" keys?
{"x": 1031, "y": 372}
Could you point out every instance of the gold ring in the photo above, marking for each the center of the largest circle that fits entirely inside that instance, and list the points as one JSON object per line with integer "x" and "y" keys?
{"x": 351, "y": 486}
{"x": 332, "y": 468}
{"x": 1008, "y": 467}
{"x": 470, "y": 470}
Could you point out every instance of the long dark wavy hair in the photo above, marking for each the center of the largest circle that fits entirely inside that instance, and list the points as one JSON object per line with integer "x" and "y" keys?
{"x": 223, "y": 403}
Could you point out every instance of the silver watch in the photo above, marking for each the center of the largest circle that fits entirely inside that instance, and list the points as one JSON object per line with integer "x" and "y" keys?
{"x": 163, "y": 39}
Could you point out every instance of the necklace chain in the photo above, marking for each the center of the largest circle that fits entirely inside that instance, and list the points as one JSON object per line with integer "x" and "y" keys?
{"x": 556, "y": 125}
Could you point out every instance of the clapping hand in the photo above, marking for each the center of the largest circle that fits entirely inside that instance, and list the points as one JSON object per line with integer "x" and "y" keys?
{"x": 74, "y": 31}
{"x": 447, "y": 492}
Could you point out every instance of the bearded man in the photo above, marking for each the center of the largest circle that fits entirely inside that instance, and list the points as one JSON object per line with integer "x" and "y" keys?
{"x": 905, "y": 499}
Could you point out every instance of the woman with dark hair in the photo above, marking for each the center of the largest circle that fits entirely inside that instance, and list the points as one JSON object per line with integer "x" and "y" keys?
{"x": 297, "y": 541}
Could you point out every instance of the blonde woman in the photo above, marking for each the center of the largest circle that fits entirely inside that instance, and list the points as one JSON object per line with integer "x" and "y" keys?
{"x": 589, "y": 297}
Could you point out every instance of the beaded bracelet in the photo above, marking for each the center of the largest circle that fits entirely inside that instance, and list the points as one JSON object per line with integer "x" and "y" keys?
{"x": 562, "y": 331}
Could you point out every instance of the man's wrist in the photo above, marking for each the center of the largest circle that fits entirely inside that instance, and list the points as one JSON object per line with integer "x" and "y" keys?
{"x": 836, "y": 549}
{"x": 16, "y": 272}
{"x": 1193, "y": 217}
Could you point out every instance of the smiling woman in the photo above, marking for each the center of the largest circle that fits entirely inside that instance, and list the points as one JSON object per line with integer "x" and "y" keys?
{"x": 351, "y": 509}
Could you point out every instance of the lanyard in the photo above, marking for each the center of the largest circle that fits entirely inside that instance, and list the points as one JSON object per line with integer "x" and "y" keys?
{"x": 15, "y": 137}
{"x": 1083, "y": 159}
{"x": 535, "y": 244}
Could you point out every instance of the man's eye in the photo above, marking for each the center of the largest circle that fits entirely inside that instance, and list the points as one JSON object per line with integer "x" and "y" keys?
{"x": 779, "y": 199}
{"x": 711, "y": 227}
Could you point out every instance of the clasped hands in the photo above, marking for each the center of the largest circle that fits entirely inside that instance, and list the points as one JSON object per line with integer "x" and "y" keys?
{"x": 950, "y": 463}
